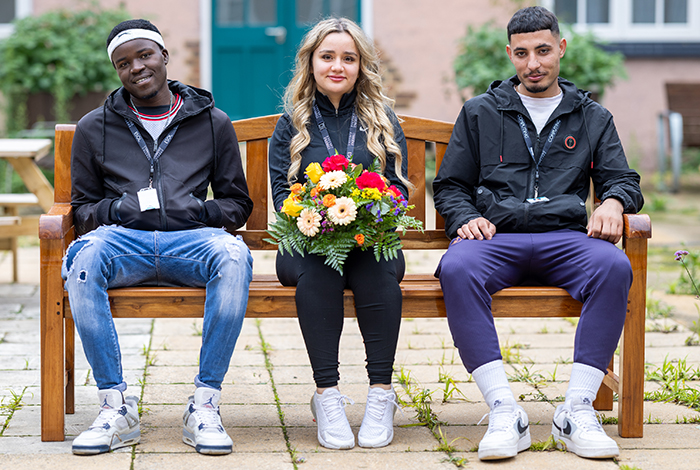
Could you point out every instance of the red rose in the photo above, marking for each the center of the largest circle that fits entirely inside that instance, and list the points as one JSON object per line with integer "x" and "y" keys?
{"x": 335, "y": 163}
{"x": 370, "y": 180}
{"x": 395, "y": 191}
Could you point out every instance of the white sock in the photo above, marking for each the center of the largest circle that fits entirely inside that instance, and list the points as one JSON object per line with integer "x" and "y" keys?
{"x": 585, "y": 382}
{"x": 493, "y": 382}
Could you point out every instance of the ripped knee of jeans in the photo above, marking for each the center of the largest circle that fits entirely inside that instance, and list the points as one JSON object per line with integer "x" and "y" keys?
{"x": 72, "y": 253}
{"x": 234, "y": 251}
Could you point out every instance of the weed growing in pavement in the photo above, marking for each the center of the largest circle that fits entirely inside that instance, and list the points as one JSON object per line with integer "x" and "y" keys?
{"x": 608, "y": 419}
{"x": 525, "y": 375}
{"x": 561, "y": 360}
{"x": 196, "y": 329}
{"x": 266, "y": 349}
{"x": 686, "y": 420}
{"x": 7, "y": 410}
{"x": 572, "y": 320}
{"x": 657, "y": 308}
{"x": 673, "y": 377}
{"x": 545, "y": 446}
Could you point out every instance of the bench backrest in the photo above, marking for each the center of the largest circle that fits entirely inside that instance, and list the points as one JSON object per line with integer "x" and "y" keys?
{"x": 254, "y": 134}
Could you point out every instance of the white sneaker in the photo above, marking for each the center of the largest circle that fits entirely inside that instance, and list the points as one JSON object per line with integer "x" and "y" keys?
{"x": 202, "y": 423}
{"x": 508, "y": 432}
{"x": 329, "y": 413}
{"x": 116, "y": 426}
{"x": 577, "y": 428}
{"x": 377, "y": 428}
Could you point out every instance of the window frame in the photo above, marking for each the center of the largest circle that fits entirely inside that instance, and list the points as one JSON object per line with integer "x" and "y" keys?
{"x": 22, "y": 8}
{"x": 620, "y": 29}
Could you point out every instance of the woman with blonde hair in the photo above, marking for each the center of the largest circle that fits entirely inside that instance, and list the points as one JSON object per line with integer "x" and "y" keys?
{"x": 333, "y": 104}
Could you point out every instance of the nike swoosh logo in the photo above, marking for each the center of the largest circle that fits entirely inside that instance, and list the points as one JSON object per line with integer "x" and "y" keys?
{"x": 567, "y": 428}
{"x": 521, "y": 428}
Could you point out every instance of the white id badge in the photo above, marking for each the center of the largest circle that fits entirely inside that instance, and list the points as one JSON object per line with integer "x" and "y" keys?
{"x": 534, "y": 200}
{"x": 148, "y": 199}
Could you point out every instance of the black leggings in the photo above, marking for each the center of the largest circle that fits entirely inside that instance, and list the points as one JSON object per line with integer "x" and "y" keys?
{"x": 319, "y": 300}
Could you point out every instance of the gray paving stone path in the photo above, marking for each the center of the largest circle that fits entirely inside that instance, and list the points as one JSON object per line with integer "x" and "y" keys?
{"x": 266, "y": 394}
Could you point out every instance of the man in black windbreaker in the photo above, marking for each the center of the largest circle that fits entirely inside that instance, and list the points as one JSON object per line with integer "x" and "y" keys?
{"x": 141, "y": 166}
{"x": 511, "y": 188}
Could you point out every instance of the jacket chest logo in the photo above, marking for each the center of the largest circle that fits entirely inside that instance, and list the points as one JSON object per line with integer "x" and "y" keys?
{"x": 569, "y": 142}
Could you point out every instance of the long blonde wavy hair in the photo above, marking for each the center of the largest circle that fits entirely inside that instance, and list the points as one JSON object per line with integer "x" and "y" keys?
{"x": 370, "y": 105}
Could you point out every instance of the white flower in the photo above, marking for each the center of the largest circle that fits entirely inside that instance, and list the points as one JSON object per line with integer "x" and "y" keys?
{"x": 332, "y": 180}
{"x": 343, "y": 212}
{"x": 309, "y": 222}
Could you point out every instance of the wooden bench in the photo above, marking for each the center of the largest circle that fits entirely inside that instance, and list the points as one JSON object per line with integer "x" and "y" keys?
{"x": 14, "y": 226}
{"x": 268, "y": 299}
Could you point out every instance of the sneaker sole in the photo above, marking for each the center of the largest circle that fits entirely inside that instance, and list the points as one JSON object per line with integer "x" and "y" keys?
{"x": 129, "y": 440}
{"x": 501, "y": 453}
{"x": 203, "y": 449}
{"x": 564, "y": 443}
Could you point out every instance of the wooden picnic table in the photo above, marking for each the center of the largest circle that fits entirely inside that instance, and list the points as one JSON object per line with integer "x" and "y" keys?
{"x": 22, "y": 154}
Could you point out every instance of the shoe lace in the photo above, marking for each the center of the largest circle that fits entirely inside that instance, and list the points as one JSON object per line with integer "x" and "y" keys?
{"x": 500, "y": 418}
{"x": 106, "y": 416}
{"x": 587, "y": 417}
{"x": 376, "y": 404}
{"x": 207, "y": 417}
{"x": 334, "y": 404}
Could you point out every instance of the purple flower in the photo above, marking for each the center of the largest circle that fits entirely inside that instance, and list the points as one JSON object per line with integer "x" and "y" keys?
{"x": 680, "y": 254}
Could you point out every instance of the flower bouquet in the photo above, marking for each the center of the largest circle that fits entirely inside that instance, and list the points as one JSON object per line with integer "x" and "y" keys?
{"x": 341, "y": 207}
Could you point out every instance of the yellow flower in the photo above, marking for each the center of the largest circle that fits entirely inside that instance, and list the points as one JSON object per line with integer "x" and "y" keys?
{"x": 372, "y": 193}
{"x": 355, "y": 192}
{"x": 291, "y": 207}
{"x": 314, "y": 172}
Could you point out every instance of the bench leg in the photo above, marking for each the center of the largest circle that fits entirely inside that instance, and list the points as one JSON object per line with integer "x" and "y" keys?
{"x": 70, "y": 366}
{"x": 604, "y": 399}
{"x": 631, "y": 395}
{"x": 52, "y": 362}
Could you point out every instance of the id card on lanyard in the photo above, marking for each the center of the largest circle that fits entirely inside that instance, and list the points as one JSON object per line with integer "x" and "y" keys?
{"x": 327, "y": 138}
{"x": 148, "y": 197}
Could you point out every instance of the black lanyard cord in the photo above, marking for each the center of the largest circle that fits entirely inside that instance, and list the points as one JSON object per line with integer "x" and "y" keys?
{"x": 545, "y": 148}
{"x": 327, "y": 138}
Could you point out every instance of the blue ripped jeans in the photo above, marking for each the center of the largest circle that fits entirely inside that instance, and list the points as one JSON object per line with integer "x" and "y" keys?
{"x": 114, "y": 256}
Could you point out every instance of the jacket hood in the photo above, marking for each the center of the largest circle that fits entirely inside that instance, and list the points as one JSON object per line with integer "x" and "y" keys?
{"x": 195, "y": 100}
{"x": 507, "y": 98}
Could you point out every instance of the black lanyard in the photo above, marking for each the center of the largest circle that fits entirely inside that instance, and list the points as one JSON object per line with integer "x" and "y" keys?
{"x": 327, "y": 138}
{"x": 545, "y": 148}
{"x": 163, "y": 145}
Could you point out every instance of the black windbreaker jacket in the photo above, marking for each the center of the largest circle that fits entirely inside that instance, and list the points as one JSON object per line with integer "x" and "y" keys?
{"x": 487, "y": 170}
{"x": 108, "y": 168}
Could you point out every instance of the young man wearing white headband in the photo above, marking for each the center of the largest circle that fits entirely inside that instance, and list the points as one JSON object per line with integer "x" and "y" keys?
{"x": 141, "y": 165}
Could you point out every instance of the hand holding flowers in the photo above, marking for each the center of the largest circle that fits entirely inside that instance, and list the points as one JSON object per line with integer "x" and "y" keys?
{"x": 341, "y": 207}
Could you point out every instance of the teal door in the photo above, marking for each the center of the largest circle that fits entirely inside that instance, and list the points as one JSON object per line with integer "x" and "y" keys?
{"x": 253, "y": 48}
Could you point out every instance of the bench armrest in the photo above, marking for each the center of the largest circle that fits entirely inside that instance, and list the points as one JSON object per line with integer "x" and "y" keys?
{"x": 57, "y": 223}
{"x": 637, "y": 226}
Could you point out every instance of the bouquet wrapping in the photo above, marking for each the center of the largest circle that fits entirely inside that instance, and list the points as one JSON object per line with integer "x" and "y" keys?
{"x": 342, "y": 206}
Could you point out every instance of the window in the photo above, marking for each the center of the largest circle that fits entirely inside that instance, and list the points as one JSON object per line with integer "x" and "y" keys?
{"x": 632, "y": 21}
{"x": 11, "y": 10}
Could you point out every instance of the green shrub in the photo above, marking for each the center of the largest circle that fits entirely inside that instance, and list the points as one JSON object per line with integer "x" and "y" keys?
{"x": 61, "y": 52}
{"x": 482, "y": 59}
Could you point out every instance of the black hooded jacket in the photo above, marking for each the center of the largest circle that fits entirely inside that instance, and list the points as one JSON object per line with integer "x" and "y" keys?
{"x": 487, "y": 170}
{"x": 108, "y": 168}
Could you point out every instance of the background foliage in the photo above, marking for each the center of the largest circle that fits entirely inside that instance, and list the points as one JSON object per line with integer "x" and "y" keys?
{"x": 483, "y": 59}
{"x": 61, "y": 52}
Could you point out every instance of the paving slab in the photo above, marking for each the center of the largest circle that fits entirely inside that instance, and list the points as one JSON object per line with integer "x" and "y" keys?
{"x": 189, "y": 460}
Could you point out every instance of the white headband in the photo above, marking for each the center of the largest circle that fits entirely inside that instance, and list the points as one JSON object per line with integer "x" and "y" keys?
{"x": 130, "y": 35}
